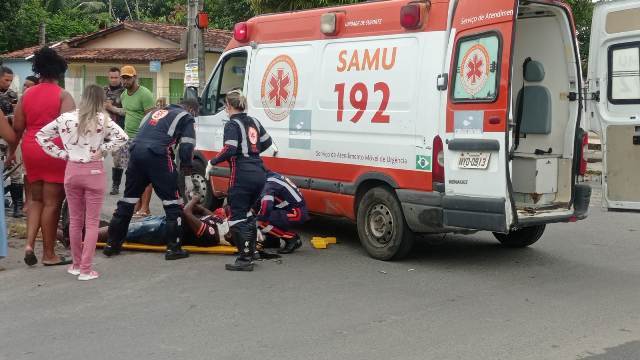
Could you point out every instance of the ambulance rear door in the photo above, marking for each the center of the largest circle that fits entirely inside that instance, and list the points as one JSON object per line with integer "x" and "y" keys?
{"x": 613, "y": 99}
{"x": 476, "y": 142}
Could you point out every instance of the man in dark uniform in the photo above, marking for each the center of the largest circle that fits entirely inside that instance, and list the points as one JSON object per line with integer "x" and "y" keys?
{"x": 281, "y": 207}
{"x": 151, "y": 162}
{"x": 113, "y": 91}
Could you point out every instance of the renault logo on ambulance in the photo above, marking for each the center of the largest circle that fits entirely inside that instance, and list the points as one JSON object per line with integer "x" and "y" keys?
{"x": 279, "y": 87}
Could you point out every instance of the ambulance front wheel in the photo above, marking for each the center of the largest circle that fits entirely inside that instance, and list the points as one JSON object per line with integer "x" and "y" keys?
{"x": 381, "y": 226}
{"x": 201, "y": 186}
{"x": 522, "y": 237}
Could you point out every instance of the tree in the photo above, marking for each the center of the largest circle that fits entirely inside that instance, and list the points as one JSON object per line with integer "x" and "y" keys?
{"x": 224, "y": 14}
{"x": 269, "y": 6}
{"x": 582, "y": 13}
{"x": 64, "y": 19}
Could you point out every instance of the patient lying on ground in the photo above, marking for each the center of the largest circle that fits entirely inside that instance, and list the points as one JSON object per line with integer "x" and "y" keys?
{"x": 200, "y": 227}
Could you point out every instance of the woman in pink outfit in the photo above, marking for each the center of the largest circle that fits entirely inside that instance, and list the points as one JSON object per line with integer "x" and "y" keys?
{"x": 86, "y": 134}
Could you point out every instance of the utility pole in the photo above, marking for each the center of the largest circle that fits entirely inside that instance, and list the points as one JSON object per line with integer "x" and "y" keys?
{"x": 43, "y": 33}
{"x": 195, "y": 40}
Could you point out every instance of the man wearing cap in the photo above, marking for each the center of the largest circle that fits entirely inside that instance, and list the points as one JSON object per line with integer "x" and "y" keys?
{"x": 136, "y": 101}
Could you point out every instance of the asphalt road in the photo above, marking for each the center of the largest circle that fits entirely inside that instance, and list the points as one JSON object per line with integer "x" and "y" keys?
{"x": 573, "y": 295}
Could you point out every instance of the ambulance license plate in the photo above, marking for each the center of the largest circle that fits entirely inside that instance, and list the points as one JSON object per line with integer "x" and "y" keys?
{"x": 474, "y": 160}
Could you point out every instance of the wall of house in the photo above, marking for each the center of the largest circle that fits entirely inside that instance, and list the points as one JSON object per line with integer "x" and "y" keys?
{"x": 175, "y": 70}
{"x": 130, "y": 39}
{"x": 80, "y": 75}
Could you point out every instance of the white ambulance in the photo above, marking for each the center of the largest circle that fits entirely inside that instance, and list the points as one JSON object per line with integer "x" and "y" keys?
{"x": 414, "y": 116}
{"x": 613, "y": 99}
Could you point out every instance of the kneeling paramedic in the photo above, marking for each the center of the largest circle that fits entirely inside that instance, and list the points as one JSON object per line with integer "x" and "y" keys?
{"x": 244, "y": 140}
{"x": 151, "y": 163}
{"x": 281, "y": 207}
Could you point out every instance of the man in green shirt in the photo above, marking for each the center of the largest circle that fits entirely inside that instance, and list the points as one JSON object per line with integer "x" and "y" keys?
{"x": 137, "y": 101}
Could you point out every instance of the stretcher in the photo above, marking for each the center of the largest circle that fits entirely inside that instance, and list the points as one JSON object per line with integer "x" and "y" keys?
{"x": 219, "y": 249}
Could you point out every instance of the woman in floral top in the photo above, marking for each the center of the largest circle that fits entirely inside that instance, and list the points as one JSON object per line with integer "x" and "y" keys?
{"x": 86, "y": 134}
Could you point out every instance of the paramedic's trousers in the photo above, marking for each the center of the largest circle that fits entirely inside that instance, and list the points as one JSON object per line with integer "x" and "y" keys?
{"x": 278, "y": 222}
{"x": 147, "y": 167}
{"x": 246, "y": 183}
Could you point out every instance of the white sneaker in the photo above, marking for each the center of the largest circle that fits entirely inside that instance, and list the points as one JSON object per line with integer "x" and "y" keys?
{"x": 90, "y": 276}
{"x": 73, "y": 271}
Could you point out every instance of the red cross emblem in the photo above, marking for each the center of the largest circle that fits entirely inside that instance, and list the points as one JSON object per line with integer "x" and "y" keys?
{"x": 279, "y": 88}
{"x": 475, "y": 68}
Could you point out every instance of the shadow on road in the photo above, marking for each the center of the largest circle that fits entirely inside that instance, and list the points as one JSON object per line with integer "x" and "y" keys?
{"x": 442, "y": 249}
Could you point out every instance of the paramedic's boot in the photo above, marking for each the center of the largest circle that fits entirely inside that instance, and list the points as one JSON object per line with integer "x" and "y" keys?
{"x": 174, "y": 248}
{"x": 291, "y": 245}
{"x": 118, "y": 227}
{"x": 111, "y": 250}
{"x": 240, "y": 238}
{"x": 116, "y": 179}
{"x": 18, "y": 199}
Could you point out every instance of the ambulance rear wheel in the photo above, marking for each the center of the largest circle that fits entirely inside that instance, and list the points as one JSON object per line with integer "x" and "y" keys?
{"x": 522, "y": 237}
{"x": 381, "y": 226}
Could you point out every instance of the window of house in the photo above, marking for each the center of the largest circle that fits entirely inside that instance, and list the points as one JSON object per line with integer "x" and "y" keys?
{"x": 146, "y": 82}
{"x": 228, "y": 76}
{"x": 476, "y": 68}
{"x": 176, "y": 90}
{"x": 624, "y": 73}
{"x": 102, "y": 81}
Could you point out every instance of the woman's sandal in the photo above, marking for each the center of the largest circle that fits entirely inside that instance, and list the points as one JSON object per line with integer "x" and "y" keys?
{"x": 30, "y": 258}
{"x": 62, "y": 261}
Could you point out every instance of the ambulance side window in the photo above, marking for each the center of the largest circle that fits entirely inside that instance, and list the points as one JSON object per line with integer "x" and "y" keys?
{"x": 624, "y": 74}
{"x": 228, "y": 76}
{"x": 476, "y": 68}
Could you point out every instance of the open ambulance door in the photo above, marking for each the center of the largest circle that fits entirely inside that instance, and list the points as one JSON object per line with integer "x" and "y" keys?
{"x": 476, "y": 145}
{"x": 613, "y": 99}
{"x": 230, "y": 73}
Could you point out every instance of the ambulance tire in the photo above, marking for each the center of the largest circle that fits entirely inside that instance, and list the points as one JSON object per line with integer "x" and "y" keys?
{"x": 382, "y": 229}
{"x": 522, "y": 237}
{"x": 208, "y": 201}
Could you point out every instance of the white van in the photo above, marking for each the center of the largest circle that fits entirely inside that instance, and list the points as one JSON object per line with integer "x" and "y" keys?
{"x": 414, "y": 116}
{"x": 613, "y": 99}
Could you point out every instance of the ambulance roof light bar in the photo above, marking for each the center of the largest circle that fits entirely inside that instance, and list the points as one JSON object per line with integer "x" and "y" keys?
{"x": 413, "y": 15}
{"x": 241, "y": 32}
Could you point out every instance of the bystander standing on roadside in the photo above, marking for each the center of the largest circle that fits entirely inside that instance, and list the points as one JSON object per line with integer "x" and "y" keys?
{"x": 137, "y": 101}
{"x": 86, "y": 134}
{"x": 40, "y": 105}
{"x": 8, "y": 101}
{"x": 6, "y": 134}
{"x": 29, "y": 81}
{"x": 113, "y": 93}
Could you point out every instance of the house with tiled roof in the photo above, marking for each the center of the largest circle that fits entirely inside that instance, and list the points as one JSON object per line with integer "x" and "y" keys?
{"x": 129, "y": 42}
